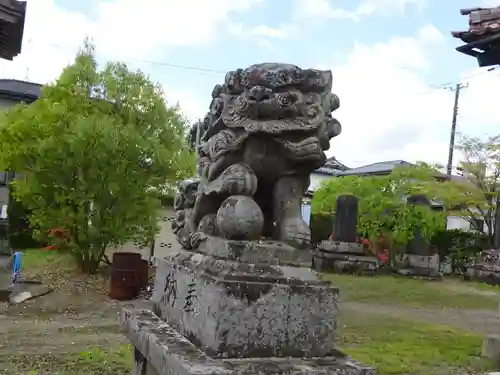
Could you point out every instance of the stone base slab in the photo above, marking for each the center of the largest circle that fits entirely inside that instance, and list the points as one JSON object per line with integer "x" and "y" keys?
{"x": 323, "y": 262}
{"x": 160, "y": 350}
{"x": 341, "y": 247}
{"x": 233, "y": 309}
{"x": 421, "y": 273}
{"x": 255, "y": 252}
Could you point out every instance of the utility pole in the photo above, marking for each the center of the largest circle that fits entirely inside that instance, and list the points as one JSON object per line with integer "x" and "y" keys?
{"x": 496, "y": 225}
{"x": 457, "y": 89}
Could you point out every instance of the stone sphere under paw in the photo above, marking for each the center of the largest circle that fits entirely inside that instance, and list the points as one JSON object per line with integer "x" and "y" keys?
{"x": 240, "y": 218}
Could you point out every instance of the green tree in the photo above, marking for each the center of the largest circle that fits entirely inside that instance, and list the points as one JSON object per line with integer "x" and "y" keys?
{"x": 382, "y": 203}
{"x": 477, "y": 191}
{"x": 93, "y": 152}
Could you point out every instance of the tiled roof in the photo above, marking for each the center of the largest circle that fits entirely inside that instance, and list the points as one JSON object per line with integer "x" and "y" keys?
{"x": 332, "y": 167}
{"x": 12, "y": 17}
{"x": 383, "y": 167}
{"x": 482, "y": 22}
{"x": 20, "y": 89}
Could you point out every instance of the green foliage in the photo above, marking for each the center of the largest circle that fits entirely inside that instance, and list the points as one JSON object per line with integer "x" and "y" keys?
{"x": 459, "y": 246}
{"x": 455, "y": 239}
{"x": 321, "y": 227}
{"x": 382, "y": 206}
{"x": 477, "y": 194}
{"x": 93, "y": 151}
{"x": 20, "y": 232}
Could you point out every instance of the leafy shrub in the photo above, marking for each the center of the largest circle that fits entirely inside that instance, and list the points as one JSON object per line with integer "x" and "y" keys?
{"x": 321, "y": 227}
{"x": 20, "y": 233}
{"x": 448, "y": 241}
{"x": 459, "y": 246}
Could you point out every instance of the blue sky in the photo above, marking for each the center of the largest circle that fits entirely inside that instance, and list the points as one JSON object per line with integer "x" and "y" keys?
{"x": 384, "y": 54}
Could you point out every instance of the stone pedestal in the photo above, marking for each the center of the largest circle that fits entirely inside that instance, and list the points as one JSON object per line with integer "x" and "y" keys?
{"x": 420, "y": 262}
{"x": 344, "y": 254}
{"x": 421, "y": 266}
{"x": 491, "y": 348}
{"x": 237, "y": 307}
{"x": 343, "y": 257}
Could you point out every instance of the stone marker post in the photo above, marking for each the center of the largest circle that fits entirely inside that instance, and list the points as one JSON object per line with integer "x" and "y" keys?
{"x": 344, "y": 253}
{"x": 229, "y": 302}
{"x": 420, "y": 261}
{"x": 346, "y": 219}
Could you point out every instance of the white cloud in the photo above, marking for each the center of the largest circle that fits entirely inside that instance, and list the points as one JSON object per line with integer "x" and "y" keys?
{"x": 148, "y": 27}
{"x": 430, "y": 33}
{"x": 388, "y": 112}
{"x": 263, "y": 35}
{"x": 121, "y": 29}
{"x": 193, "y": 108}
{"x": 323, "y": 9}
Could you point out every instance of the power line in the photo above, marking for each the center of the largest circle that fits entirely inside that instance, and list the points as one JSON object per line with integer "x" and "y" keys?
{"x": 151, "y": 62}
{"x": 431, "y": 88}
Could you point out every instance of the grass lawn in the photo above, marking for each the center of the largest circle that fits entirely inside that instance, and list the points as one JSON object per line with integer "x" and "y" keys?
{"x": 394, "y": 346}
{"x": 412, "y": 293}
{"x": 109, "y": 361}
{"x": 397, "y": 346}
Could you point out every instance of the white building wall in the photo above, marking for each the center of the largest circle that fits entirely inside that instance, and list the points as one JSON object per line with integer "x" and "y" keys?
{"x": 316, "y": 179}
{"x": 456, "y": 222}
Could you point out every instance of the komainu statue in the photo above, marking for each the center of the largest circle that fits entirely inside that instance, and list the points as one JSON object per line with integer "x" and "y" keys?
{"x": 266, "y": 131}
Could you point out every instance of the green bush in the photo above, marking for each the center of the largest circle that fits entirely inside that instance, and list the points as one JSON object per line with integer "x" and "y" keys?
{"x": 321, "y": 227}
{"x": 19, "y": 231}
{"x": 448, "y": 241}
{"x": 459, "y": 246}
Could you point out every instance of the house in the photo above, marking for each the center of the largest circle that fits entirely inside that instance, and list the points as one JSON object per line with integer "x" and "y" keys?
{"x": 13, "y": 92}
{"x": 337, "y": 169}
{"x": 332, "y": 167}
{"x": 12, "y": 17}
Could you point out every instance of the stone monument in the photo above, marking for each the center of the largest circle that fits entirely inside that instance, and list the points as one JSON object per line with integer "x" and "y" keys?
{"x": 344, "y": 253}
{"x": 419, "y": 261}
{"x": 237, "y": 298}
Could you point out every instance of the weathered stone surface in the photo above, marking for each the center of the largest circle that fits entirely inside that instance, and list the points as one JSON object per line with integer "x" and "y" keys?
{"x": 343, "y": 257}
{"x": 239, "y": 310}
{"x": 418, "y": 261}
{"x": 346, "y": 219}
{"x": 341, "y": 247}
{"x": 163, "y": 351}
{"x": 237, "y": 299}
{"x": 266, "y": 130}
{"x": 255, "y": 252}
{"x": 240, "y": 217}
{"x": 491, "y": 347}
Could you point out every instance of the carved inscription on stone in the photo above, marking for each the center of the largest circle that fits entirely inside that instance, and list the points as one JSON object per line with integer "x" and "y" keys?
{"x": 170, "y": 291}
{"x": 190, "y": 297}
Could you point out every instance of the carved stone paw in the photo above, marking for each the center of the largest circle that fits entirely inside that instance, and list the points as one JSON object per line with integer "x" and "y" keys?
{"x": 295, "y": 232}
{"x": 237, "y": 179}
